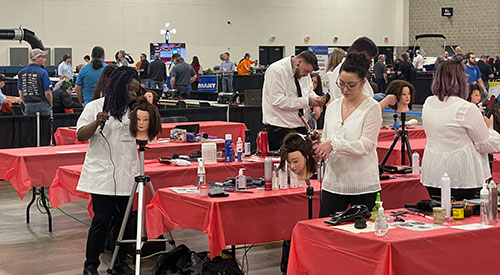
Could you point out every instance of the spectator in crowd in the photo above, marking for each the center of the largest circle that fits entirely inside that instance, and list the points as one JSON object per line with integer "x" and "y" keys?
{"x": 497, "y": 64}
{"x": 319, "y": 111}
{"x": 34, "y": 85}
{"x": 89, "y": 75}
{"x": 459, "y": 137}
{"x": 62, "y": 78}
{"x": 65, "y": 67}
{"x": 458, "y": 53}
{"x": 181, "y": 76}
{"x": 227, "y": 68}
{"x": 380, "y": 71}
{"x": 404, "y": 92}
{"x": 287, "y": 94}
{"x": 349, "y": 142}
{"x": 474, "y": 94}
{"x": 109, "y": 186}
{"x": 103, "y": 81}
{"x": 418, "y": 61}
{"x": 404, "y": 67}
{"x": 157, "y": 73}
{"x": 143, "y": 70}
{"x": 63, "y": 103}
{"x": 473, "y": 72}
{"x": 445, "y": 55}
{"x": 195, "y": 63}
{"x": 6, "y": 100}
{"x": 491, "y": 63}
{"x": 486, "y": 71}
{"x": 335, "y": 59}
{"x": 123, "y": 58}
{"x": 244, "y": 65}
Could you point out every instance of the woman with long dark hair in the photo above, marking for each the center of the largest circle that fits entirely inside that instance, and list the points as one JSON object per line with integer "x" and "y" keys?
{"x": 89, "y": 75}
{"x": 197, "y": 68}
{"x": 111, "y": 162}
{"x": 103, "y": 81}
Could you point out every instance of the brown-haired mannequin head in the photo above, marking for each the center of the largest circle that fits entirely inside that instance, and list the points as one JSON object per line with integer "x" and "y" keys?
{"x": 404, "y": 92}
{"x": 297, "y": 151}
{"x": 145, "y": 120}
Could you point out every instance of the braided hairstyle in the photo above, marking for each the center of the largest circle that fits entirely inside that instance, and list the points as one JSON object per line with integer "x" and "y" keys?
{"x": 116, "y": 92}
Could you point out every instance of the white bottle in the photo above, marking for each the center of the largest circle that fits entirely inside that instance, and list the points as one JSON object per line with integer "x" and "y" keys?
{"x": 241, "y": 181}
{"x": 294, "y": 182}
{"x": 493, "y": 189}
{"x": 446, "y": 194}
{"x": 201, "y": 172}
{"x": 485, "y": 204}
{"x": 415, "y": 163}
{"x": 276, "y": 182}
{"x": 239, "y": 149}
{"x": 283, "y": 177}
{"x": 381, "y": 225}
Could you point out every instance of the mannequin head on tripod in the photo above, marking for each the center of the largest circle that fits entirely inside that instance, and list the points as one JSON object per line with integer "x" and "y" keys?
{"x": 145, "y": 121}
{"x": 297, "y": 151}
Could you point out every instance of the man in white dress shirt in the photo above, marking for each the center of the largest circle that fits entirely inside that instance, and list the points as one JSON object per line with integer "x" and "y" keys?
{"x": 288, "y": 93}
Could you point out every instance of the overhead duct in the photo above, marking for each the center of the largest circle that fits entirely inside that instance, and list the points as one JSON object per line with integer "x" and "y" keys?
{"x": 22, "y": 34}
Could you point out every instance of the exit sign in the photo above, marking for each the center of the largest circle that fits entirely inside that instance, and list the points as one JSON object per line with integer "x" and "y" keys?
{"x": 446, "y": 11}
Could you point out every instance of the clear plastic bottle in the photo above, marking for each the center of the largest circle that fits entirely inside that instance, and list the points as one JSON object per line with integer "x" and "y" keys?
{"x": 201, "y": 172}
{"x": 241, "y": 181}
{"x": 446, "y": 194}
{"x": 268, "y": 174}
{"x": 239, "y": 149}
{"x": 415, "y": 163}
{"x": 485, "y": 204}
{"x": 493, "y": 189}
{"x": 381, "y": 225}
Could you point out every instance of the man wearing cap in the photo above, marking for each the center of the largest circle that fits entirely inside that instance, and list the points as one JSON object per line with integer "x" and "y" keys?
{"x": 286, "y": 95}
{"x": 63, "y": 100}
{"x": 34, "y": 85}
{"x": 181, "y": 76}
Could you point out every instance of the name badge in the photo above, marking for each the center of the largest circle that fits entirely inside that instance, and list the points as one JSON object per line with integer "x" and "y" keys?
{"x": 126, "y": 137}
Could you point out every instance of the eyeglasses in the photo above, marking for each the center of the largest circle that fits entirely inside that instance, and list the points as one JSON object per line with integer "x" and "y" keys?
{"x": 350, "y": 85}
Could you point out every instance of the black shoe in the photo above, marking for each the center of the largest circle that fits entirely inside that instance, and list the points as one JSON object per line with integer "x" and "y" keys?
{"x": 123, "y": 269}
{"x": 90, "y": 270}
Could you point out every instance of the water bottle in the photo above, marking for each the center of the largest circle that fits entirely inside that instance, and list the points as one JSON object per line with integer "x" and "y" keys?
{"x": 268, "y": 174}
{"x": 228, "y": 148}
{"x": 493, "y": 216}
{"x": 248, "y": 143}
{"x": 485, "y": 204}
{"x": 239, "y": 149}
{"x": 241, "y": 181}
{"x": 202, "y": 179}
{"x": 446, "y": 194}
{"x": 381, "y": 225}
{"x": 415, "y": 163}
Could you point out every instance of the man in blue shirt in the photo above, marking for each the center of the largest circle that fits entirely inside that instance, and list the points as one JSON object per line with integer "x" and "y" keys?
{"x": 227, "y": 68}
{"x": 34, "y": 85}
{"x": 473, "y": 73}
{"x": 65, "y": 67}
{"x": 89, "y": 75}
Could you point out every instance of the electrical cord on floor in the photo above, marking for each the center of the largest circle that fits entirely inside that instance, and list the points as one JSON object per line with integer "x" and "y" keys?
{"x": 39, "y": 206}
{"x": 245, "y": 259}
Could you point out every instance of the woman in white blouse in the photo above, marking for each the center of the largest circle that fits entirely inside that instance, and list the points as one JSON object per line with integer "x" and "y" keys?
{"x": 459, "y": 137}
{"x": 349, "y": 141}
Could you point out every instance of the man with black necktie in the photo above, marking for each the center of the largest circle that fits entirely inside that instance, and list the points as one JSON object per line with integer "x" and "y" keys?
{"x": 287, "y": 94}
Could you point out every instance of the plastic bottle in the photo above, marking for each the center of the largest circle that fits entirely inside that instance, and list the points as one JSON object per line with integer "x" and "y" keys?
{"x": 376, "y": 207}
{"x": 248, "y": 143}
{"x": 294, "y": 181}
{"x": 283, "y": 177}
{"x": 239, "y": 149}
{"x": 415, "y": 163}
{"x": 264, "y": 148}
{"x": 241, "y": 181}
{"x": 228, "y": 148}
{"x": 485, "y": 204}
{"x": 493, "y": 189}
{"x": 381, "y": 225}
{"x": 202, "y": 179}
{"x": 268, "y": 174}
{"x": 446, "y": 194}
{"x": 276, "y": 184}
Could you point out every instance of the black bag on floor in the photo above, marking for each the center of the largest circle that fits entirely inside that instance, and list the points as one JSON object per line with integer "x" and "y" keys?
{"x": 220, "y": 266}
{"x": 180, "y": 260}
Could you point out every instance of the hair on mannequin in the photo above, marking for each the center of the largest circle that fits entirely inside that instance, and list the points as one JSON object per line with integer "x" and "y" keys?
{"x": 154, "y": 127}
{"x": 294, "y": 142}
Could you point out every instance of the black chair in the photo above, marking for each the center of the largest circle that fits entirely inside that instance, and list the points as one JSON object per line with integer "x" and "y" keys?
{"x": 172, "y": 119}
{"x": 181, "y": 105}
{"x": 190, "y": 128}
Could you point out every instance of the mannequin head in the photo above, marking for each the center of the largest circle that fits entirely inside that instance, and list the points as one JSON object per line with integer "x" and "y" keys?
{"x": 474, "y": 94}
{"x": 145, "y": 121}
{"x": 297, "y": 151}
{"x": 404, "y": 92}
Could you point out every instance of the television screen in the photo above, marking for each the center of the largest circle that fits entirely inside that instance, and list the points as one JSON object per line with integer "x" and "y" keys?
{"x": 166, "y": 50}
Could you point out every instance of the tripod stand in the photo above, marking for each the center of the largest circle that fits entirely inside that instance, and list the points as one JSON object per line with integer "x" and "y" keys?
{"x": 141, "y": 238}
{"x": 405, "y": 142}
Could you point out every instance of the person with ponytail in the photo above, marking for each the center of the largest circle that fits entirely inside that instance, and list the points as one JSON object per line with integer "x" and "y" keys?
{"x": 349, "y": 141}
{"x": 111, "y": 162}
{"x": 89, "y": 75}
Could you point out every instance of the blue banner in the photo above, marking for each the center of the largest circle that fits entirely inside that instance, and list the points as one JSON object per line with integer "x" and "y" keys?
{"x": 207, "y": 84}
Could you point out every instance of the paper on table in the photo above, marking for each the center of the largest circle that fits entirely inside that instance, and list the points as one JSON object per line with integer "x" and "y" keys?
{"x": 370, "y": 227}
{"x": 67, "y": 152}
{"x": 417, "y": 226}
{"x": 184, "y": 190}
{"x": 471, "y": 226}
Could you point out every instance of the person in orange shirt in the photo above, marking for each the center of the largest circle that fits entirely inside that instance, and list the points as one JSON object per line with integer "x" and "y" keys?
{"x": 244, "y": 65}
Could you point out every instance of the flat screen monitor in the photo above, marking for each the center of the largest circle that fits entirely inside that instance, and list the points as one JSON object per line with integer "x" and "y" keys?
{"x": 166, "y": 50}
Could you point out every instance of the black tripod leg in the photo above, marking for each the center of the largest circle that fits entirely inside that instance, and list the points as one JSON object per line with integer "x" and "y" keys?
{"x": 44, "y": 203}
{"x": 403, "y": 144}
{"x": 29, "y": 205}
{"x": 407, "y": 142}
{"x": 390, "y": 150}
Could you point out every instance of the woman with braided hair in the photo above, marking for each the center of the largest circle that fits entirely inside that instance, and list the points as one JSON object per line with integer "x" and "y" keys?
{"x": 111, "y": 162}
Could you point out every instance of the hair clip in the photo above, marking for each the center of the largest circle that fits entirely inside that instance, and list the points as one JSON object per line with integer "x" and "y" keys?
{"x": 283, "y": 148}
{"x": 302, "y": 136}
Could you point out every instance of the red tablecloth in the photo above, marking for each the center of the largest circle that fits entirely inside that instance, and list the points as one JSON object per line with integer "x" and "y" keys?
{"x": 321, "y": 249}
{"x": 389, "y": 134}
{"x": 63, "y": 188}
{"x": 67, "y": 135}
{"x": 403, "y": 189}
{"x": 31, "y": 167}
{"x": 416, "y": 144}
{"x": 241, "y": 218}
{"x": 495, "y": 167}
